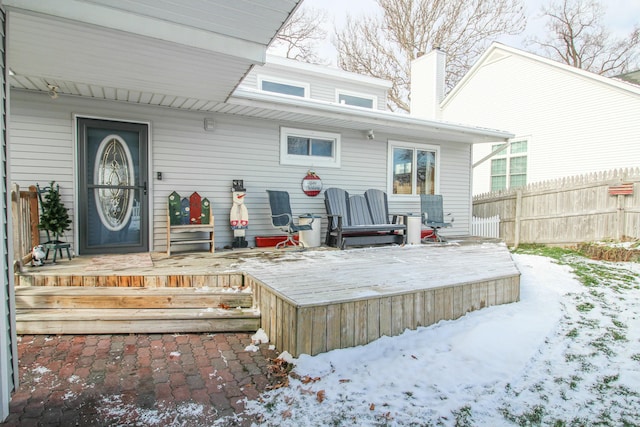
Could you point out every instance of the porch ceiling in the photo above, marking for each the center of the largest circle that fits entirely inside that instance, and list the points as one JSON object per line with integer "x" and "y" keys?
{"x": 157, "y": 52}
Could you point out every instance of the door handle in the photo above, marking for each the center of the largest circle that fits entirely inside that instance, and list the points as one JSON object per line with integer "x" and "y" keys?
{"x": 144, "y": 188}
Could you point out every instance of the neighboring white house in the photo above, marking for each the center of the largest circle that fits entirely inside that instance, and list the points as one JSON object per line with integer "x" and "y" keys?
{"x": 566, "y": 121}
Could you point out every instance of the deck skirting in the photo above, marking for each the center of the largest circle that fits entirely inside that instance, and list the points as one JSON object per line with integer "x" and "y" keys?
{"x": 314, "y": 329}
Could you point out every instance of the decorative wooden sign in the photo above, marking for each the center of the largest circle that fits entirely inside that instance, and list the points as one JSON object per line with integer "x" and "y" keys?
{"x": 624, "y": 189}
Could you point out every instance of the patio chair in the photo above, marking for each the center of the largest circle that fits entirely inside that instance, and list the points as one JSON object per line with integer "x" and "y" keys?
{"x": 282, "y": 218}
{"x": 433, "y": 215}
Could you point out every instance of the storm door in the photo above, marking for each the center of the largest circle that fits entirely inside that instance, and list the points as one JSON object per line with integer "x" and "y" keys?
{"x": 112, "y": 199}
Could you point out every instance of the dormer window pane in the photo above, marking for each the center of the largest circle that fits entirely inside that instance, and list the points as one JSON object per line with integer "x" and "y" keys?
{"x": 283, "y": 88}
{"x": 355, "y": 100}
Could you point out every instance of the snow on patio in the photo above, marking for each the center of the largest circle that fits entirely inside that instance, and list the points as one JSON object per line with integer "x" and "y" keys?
{"x": 564, "y": 354}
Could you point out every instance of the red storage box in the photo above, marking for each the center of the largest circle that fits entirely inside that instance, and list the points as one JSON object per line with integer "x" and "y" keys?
{"x": 267, "y": 241}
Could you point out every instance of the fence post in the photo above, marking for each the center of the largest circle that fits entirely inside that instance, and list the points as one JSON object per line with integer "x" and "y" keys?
{"x": 517, "y": 218}
{"x": 620, "y": 218}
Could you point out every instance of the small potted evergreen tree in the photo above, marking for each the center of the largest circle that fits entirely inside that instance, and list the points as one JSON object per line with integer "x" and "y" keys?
{"x": 55, "y": 217}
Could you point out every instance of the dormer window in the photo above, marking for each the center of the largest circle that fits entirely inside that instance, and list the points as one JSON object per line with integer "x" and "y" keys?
{"x": 356, "y": 99}
{"x": 283, "y": 86}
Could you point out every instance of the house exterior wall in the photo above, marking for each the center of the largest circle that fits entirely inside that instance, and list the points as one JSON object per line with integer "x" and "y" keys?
{"x": 573, "y": 124}
{"x": 192, "y": 159}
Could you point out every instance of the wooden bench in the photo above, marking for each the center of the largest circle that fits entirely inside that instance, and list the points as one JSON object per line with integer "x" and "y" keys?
{"x": 191, "y": 215}
{"x": 361, "y": 220}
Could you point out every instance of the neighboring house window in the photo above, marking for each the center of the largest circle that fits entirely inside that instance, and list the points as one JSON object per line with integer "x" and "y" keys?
{"x": 413, "y": 168}
{"x": 356, "y": 99}
{"x": 309, "y": 148}
{"x": 285, "y": 87}
{"x": 509, "y": 167}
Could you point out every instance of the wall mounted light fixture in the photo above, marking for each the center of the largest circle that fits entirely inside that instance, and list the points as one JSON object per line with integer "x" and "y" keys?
{"x": 370, "y": 134}
{"x": 53, "y": 91}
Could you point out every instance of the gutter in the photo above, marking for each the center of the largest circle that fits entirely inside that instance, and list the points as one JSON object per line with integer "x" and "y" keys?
{"x": 260, "y": 99}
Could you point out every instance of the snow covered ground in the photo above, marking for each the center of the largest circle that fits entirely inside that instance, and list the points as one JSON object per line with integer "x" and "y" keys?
{"x": 566, "y": 354}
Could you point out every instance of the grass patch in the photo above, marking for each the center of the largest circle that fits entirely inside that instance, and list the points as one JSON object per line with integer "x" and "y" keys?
{"x": 585, "y": 306}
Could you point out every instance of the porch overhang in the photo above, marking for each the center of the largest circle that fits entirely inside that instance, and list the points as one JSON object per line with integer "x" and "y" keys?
{"x": 258, "y": 104}
{"x": 190, "y": 50}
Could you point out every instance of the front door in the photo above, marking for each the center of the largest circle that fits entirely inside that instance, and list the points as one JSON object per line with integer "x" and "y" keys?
{"x": 112, "y": 198}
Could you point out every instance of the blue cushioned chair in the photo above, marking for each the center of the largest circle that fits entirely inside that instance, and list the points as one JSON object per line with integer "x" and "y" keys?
{"x": 282, "y": 218}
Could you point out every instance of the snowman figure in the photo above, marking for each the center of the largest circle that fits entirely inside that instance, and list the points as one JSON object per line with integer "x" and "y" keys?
{"x": 239, "y": 216}
{"x": 37, "y": 256}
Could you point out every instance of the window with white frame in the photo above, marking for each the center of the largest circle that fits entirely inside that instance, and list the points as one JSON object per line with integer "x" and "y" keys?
{"x": 283, "y": 86}
{"x": 309, "y": 148}
{"x": 356, "y": 99}
{"x": 413, "y": 168}
{"x": 509, "y": 166}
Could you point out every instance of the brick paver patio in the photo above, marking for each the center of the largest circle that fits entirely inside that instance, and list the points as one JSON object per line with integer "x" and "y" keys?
{"x": 145, "y": 380}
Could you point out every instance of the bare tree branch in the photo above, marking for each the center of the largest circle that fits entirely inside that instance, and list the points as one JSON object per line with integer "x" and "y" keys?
{"x": 577, "y": 37}
{"x": 299, "y": 37}
{"x": 384, "y": 44}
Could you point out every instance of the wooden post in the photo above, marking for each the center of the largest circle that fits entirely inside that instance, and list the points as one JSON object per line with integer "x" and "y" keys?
{"x": 621, "y": 190}
{"x": 517, "y": 218}
{"x": 620, "y": 218}
{"x": 34, "y": 215}
{"x": 16, "y": 215}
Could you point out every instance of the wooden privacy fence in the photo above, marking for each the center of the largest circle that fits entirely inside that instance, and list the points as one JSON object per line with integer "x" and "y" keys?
{"x": 585, "y": 208}
{"x": 24, "y": 215}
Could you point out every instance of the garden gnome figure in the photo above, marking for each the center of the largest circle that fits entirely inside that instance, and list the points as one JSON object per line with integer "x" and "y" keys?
{"x": 239, "y": 217}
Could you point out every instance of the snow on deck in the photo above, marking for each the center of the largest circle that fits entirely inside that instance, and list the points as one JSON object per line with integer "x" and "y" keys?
{"x": 323, "y": 277}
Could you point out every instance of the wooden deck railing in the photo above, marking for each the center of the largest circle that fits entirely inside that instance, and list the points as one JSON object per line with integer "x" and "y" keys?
{"x": 24, "y": 211}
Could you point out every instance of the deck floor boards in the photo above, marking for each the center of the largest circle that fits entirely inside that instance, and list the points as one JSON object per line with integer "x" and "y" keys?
{"x": 312, "y": 278}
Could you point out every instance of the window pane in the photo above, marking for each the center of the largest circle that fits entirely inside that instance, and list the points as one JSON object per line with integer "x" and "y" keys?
{"x": 298, "y": 145}
{"x": 355, "y": 100}
{"x": 496, "y": 146}
{"x": 426, "y": 179}
{"x": 282, "y": 88}
{"x": 499, "y": 167}
{"x": 518, "y": 147}
{"x": 518, "y": 165}
{"x": 517, "y": 181}
{"x": 322, "y": 147}
{"x": 498, "y": 183}
{"x": 402, "y": 162}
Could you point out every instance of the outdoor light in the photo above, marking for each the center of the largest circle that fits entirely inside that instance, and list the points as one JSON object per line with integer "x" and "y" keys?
{"x": 209, "y": 124}
{"x": 53, "y": 91}
{"x": 370, "y": 134}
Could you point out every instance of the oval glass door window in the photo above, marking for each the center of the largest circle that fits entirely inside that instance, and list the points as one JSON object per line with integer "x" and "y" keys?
{"x": 114, "y": 175}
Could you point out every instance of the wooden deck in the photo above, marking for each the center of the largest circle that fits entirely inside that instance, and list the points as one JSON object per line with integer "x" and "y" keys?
{"x": 308, "y": 302}
{"x": 315, "y": 302}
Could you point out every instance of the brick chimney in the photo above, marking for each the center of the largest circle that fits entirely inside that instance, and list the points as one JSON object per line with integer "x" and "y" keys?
{"x": 427, "y": 85}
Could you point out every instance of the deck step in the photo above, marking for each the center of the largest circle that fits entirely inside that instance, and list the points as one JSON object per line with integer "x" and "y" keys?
{"x": 61, "y": 297}
{"x": 114, "y": 321}
{"x": 114, "y": 310}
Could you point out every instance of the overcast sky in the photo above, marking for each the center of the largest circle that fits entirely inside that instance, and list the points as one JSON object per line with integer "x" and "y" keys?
{"x": 620, "y": 18}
